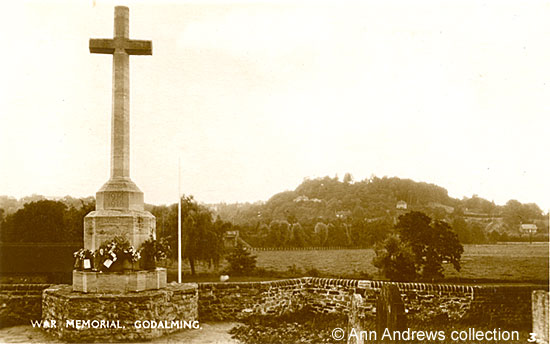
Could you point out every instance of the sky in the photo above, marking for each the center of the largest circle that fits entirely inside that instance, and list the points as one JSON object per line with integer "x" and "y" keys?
{"x": 253, "y": 97}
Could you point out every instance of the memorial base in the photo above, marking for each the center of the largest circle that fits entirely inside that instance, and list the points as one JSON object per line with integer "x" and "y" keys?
{"x": 92, "y": 317}
{"x": 118, "y": 282}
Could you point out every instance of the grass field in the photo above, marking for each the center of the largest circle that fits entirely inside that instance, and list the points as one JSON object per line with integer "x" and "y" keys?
{"x": 520, "y": 262}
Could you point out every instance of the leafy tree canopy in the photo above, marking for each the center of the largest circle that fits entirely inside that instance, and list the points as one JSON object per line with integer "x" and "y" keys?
{"x": 425, "y": 243}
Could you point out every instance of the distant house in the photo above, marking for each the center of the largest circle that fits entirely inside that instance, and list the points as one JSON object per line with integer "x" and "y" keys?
{"x": 401, "y": 205}
{"x": 231, "y": 238}
{"x": 527, "y": 228}
{"x": 301, "y": 199}
{"x": 306, "y": 199}
{"x": 343, "y": 214}
{"x": 447, "y": 208}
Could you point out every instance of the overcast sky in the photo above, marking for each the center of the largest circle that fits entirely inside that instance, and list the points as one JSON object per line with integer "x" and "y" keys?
{"x": 254, "y": 97}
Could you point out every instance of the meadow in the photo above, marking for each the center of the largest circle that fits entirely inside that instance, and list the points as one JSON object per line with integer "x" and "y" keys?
{"x": 506, "y": 263}
{"x": 521, "y": 262}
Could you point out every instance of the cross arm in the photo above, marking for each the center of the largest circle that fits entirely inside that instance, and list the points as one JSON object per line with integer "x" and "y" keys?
{"x": 102, "y": 46}
{"x": 139, "y": 47}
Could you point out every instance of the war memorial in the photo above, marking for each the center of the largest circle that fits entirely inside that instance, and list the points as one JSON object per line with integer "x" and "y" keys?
{"x": 101, "y": 299}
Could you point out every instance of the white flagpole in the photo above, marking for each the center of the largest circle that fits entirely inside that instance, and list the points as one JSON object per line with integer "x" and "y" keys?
{"x": 179, "y": 220}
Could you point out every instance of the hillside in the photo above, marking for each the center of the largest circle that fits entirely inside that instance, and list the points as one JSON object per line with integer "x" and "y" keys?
{"x": 380, "y": 201}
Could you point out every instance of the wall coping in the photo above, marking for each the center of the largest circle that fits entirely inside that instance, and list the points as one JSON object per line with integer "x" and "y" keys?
{"x": 22, "y": 287}
{"x": 318, "y": 281}
{"x": 373, "y": 284}
{"x": 65, "y": 291}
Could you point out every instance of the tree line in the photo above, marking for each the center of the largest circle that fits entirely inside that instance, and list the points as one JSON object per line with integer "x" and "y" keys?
{"x": 320, "y": 212}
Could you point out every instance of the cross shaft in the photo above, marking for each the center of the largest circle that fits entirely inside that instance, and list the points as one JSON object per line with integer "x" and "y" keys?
{"x": 121, "y": 47}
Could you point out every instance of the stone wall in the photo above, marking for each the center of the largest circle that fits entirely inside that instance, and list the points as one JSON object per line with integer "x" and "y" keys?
{"x": 502, "y": 305}
{"x": 496, "y": 306}
{"x": 19, "y": 303}
{"x": 238, "y": 300}
{"x": 423, "y": 301}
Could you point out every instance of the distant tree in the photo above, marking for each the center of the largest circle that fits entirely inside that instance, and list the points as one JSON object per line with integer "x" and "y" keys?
{"x": 348, "y": 178}
{"x": 337, "y": 235}
{"x": 478, "y": 204}
{"x": 74, "y": 218}
{"x": 201, "y": 239}
{"x": 431, "y": 244}
{"x": 320, "y": 234}
{"x": 516, "y": 213}
{"x": 41, "y": 221}
{"x": 377, "y": 231}
{"x": 395, "y": 260}
{"x": 468, "y": 233}
{"x": 299, "y": 237}
{"x": 461, "y": 229}
{"x": 10, "y": 204}
{"x": 167, "y": 223}
{"x": 291, "y": 217}
{"x": 279, "y": 234}
{"x": 477, "y": 234}
{"x": 241, "y": 261}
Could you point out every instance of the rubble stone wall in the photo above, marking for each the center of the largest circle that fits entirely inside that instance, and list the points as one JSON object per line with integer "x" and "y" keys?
{"x": 238, "y": 300}
{"x": 19, "y": 303}
{"x": 488, "y": 305}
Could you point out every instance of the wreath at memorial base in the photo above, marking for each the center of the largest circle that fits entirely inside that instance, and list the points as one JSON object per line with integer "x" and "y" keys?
{"x": 83, "y": 259}
{"x": 118, "y": 255}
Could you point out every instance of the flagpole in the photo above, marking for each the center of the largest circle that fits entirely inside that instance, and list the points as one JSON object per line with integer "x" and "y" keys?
{"x": 179, "y": 220}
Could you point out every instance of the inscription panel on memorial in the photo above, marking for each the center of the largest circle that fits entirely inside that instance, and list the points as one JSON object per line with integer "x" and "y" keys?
{"x": 115, "y": 200}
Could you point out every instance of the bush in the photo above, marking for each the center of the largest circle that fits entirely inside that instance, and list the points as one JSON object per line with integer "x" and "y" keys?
{"x": 313, "y": 272}
{"x": 294, "y": 271}
{"x": 241, "y": 261}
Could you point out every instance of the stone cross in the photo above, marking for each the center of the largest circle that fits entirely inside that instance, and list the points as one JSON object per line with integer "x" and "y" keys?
{"x": 121, "y": 47}
{"x": 119, "y": 202}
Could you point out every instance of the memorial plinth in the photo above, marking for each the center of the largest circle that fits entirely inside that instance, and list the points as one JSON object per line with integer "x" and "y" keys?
{"x": 118, "y": 282}
{"x": 109, "y": 317}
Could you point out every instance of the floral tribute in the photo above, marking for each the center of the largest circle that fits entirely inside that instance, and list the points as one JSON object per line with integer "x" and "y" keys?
{"x": 83, "y": 259}
{"x": 118, "y": 255}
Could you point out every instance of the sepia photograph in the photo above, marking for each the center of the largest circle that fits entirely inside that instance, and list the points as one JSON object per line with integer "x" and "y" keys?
{"x": 275, "y": 171}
